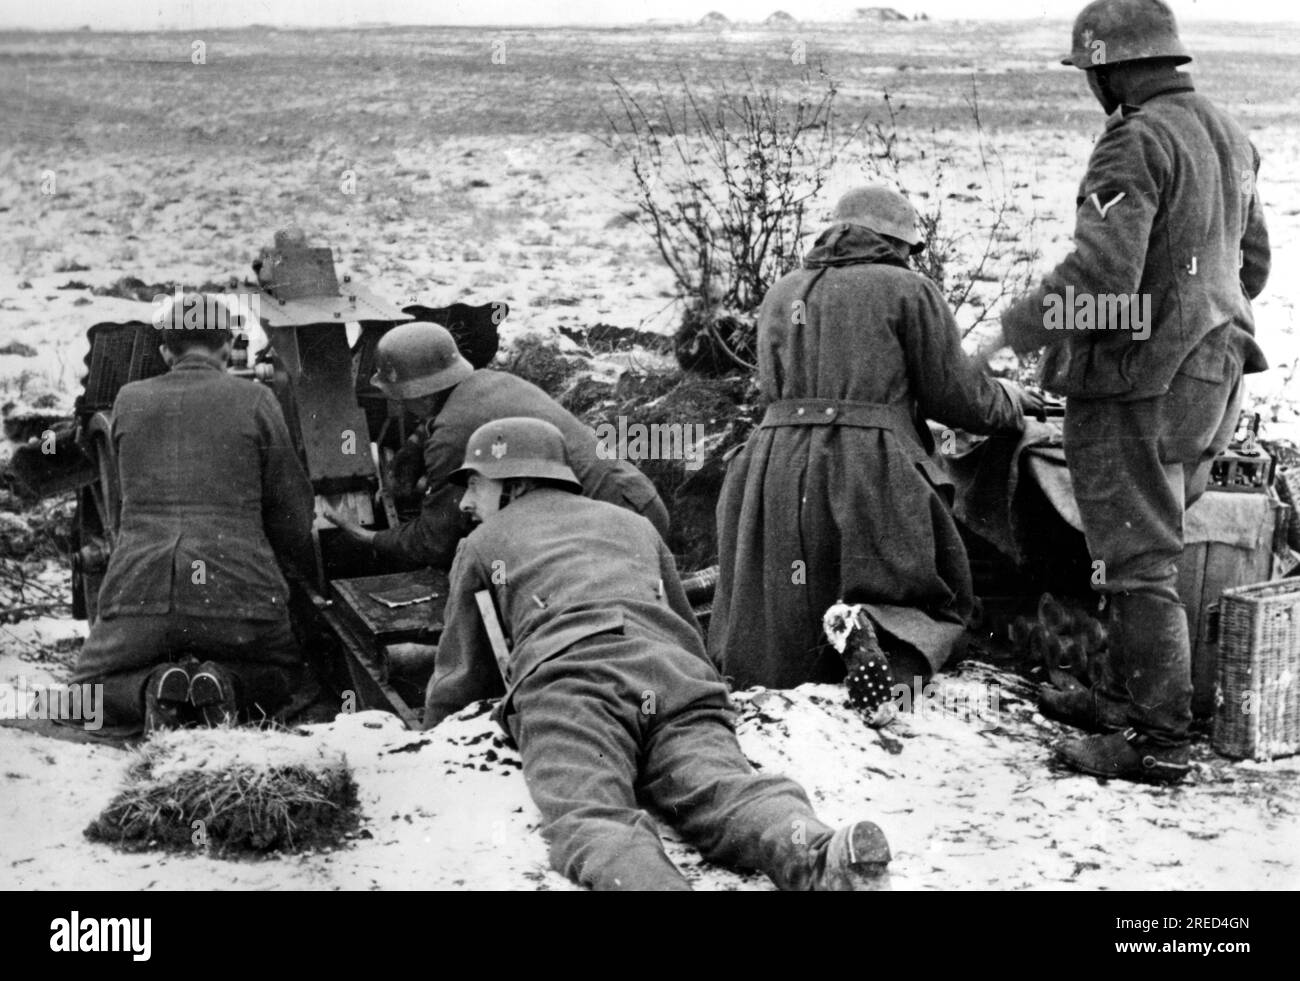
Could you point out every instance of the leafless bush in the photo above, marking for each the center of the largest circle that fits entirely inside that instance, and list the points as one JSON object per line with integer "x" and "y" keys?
{"x": 976, "y": 265}
{"x": 722, "y": 184}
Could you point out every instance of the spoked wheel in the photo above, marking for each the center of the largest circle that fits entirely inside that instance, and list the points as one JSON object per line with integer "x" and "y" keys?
{"x": 99, "y": 510}
{"x": 106, "y": 490}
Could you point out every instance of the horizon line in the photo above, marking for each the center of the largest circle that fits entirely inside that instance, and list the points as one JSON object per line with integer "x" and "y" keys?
{"x": 587, "y": 25}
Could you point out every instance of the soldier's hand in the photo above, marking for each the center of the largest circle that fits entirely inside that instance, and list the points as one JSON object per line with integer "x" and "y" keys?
{"x": 1030, "y": 403}
{"x": 347, "y": 525}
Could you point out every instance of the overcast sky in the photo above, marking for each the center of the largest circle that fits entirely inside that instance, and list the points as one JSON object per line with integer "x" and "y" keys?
{"x": 182, "y": 14}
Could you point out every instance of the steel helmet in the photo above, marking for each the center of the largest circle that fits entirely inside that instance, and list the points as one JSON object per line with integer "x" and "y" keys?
{"x": 413, "y": 360}
{"x": 882, "y": 210}
{"x": 1108, "y": 32}
{"x": 518, "y": 446}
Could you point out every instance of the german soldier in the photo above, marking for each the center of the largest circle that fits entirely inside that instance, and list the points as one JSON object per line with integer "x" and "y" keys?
{"x": 608, "y": 692}
{"x": 420, "y": 366}
{"x": 1168, "y": 215}
{"x": 193, "y": 617}
{"x": 838, "y": 495}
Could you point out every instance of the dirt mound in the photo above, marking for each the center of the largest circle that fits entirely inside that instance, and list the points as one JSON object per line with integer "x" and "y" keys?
{"x": 697, "y": 419}
{"x": 133, "y": 288}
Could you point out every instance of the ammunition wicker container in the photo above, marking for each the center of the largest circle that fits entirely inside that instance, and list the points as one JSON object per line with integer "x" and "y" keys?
{"x": 1257, "y": 711}
{"x": 1232, "y": 539}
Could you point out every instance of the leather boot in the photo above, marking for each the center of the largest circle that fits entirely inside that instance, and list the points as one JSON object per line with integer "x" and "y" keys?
{"x": 869, "y": 678}
{"x": 212, "y": 692}
{"x": 1156, "y": 666}
{"x": 1127, "y": 755}
{"x": 1089, "y": 709}
{"x": 857, "y": 857}
{"x": 166, "y": 691}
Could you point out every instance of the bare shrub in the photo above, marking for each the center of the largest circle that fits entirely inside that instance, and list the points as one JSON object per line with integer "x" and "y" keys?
{"x": 722, "y": 185}
{"x": 723, "y": 188}
{"x": 976, "y": 265}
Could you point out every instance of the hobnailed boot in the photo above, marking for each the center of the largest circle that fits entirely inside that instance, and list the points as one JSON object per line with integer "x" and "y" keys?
{"x": 857, "y": 857}
{"x": 1083, "y": 708}
{"x": 212, "y": 692}
{"x": 1157, "y": 666}
{"x": 166, "y": 692}
{"x": 1104, "y": 707}
{"x": 1126, "y": 755}
{"x": 869, "y": 679}
{"x": 1156, "y": 673}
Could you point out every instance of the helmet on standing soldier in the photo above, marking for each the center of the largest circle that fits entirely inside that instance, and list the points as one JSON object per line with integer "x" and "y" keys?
{"x": 1108, "y": 32}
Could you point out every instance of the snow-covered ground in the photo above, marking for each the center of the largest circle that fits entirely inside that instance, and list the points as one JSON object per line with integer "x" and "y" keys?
{"x": 967, "y": 798}
{"x": 155, "y": 182}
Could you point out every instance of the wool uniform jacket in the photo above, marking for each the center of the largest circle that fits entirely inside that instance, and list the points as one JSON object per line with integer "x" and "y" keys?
{"x": 562, "y": 570}
{"x": 214, "y": 498}
{"x": 1168, "y": 209}
{"x": 485, "y": 396}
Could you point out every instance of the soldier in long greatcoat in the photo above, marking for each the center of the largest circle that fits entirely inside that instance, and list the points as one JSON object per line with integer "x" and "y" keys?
{"x": 839, "y": 494}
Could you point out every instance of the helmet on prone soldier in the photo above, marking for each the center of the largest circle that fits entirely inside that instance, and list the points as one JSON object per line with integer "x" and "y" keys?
{"x": 517, "y": 447}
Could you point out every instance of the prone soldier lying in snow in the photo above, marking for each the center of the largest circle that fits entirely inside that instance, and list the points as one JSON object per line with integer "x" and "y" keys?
{"x": 607, "y": 689}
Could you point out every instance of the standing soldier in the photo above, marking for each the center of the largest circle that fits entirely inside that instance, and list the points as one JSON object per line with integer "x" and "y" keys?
{"x": 1167, "y": 216}
{"x": 608, "y": 691}
{"x": 420, "y": 366}
{"x": 838, "y": 494}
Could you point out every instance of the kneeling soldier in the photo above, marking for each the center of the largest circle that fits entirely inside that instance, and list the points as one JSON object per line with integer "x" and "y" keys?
{"x": 193, "y": 618}
{"x": 608, "y": 692}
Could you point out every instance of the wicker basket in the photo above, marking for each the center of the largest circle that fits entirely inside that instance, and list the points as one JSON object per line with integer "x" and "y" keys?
{"x": 1257, "y": 701}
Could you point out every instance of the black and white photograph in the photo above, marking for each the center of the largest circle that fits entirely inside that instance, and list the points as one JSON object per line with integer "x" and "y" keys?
{"x": 521, "y": 447}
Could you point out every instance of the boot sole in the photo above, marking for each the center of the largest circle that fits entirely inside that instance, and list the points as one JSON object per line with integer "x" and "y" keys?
{"x": 157, "y": 719}
{"x": 173, "y": 687}
{"x": 1145, "y": 775}
{"x": 214, "y": 696}
{"x": 206, "y": 690}
{"x": 869, "y": 856}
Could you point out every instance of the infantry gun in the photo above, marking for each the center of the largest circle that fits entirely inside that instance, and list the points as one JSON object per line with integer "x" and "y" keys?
{"x": 312, "y": 338}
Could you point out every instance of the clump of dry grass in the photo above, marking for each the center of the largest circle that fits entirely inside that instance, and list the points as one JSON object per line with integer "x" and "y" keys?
{"x": 237, "y": 808}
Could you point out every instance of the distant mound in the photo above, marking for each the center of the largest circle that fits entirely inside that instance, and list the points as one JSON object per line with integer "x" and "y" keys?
{"x": 714, "y": 20}
{"x": 779, "y": 18}
{"x": 878, "y": 13}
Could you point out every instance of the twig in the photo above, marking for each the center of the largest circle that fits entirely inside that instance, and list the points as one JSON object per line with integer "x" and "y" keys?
{"x": 34, "y": 608}
{"x": 22, "y": 582}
